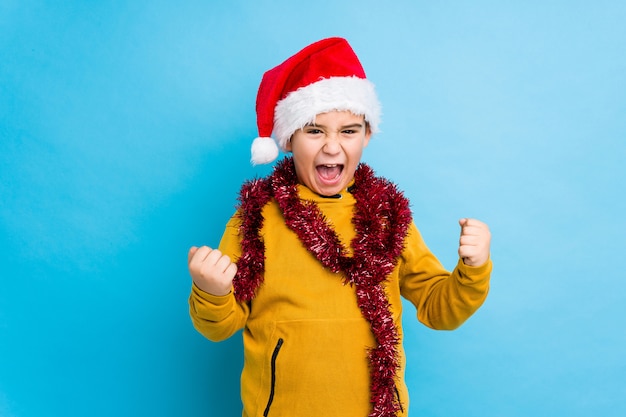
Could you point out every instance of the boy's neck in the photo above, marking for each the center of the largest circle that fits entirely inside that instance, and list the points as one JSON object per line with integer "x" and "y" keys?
{"x": 333, "y": 196}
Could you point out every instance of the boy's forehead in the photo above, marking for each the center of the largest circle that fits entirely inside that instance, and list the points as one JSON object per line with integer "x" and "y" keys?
{"x": 342, "y": 116}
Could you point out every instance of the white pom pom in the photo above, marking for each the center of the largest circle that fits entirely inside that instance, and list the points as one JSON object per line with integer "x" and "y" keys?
{"x": 264, "y": 151}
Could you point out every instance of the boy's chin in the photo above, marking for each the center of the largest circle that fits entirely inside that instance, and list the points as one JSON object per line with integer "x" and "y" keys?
{"x": 329, "y": 191}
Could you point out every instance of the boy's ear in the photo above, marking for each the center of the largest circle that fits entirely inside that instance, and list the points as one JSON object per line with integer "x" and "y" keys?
{"x": 288, "y": 145}
{"x": 368, "y": 135}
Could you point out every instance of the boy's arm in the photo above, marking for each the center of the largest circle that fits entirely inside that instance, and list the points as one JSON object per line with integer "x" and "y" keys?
{"x": 446, "y": 300}
{"x": 212, "y": 306}
{"x": 216, "y": 317}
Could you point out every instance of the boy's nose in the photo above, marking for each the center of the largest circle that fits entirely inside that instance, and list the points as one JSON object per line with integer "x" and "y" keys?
{"x": 331, "y": 144}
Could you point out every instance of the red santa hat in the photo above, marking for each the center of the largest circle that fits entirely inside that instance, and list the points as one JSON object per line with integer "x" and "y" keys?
{"x": 322, "y": 77}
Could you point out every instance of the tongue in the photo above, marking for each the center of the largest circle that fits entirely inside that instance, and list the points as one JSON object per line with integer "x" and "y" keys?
{"x": 329, "y": 173}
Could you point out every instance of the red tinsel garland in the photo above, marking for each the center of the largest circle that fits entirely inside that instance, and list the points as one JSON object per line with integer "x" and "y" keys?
{"x": 381, "y": 221}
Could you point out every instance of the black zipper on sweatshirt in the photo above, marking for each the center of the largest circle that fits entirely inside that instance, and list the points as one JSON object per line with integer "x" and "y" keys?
{"x": 399, "y": 401}
{"x": 273, "y": 386}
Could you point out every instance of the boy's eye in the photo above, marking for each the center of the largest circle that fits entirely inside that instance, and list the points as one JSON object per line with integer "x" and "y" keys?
{"x": 313, "y": 131}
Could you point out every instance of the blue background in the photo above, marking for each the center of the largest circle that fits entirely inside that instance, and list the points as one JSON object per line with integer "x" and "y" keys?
{"x": 124, "y": 136}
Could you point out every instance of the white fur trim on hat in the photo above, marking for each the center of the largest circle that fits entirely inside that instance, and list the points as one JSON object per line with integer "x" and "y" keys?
{"x": 300, "y": 107}
{"x": 264, "y": 151}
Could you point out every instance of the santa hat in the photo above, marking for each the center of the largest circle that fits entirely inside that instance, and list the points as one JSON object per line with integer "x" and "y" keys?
{"x": 323, "y": 77}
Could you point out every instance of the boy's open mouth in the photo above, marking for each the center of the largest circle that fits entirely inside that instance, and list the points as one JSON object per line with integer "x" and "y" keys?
{"x": 329, "y": 172}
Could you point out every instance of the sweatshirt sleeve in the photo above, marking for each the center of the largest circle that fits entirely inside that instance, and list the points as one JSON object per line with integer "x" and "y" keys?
{"x": 443, "y": 300}
{"x": 216, "y": 318}
{"x": 219, "y": 317}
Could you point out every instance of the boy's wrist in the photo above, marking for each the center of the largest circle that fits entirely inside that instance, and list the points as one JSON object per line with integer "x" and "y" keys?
{"x": 212, "y": 298}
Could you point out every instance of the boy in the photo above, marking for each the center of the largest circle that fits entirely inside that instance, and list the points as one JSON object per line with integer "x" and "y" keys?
{"x": 322, "y": 251}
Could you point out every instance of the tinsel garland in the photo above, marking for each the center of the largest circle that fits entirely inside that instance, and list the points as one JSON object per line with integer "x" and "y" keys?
{"x": 381, "y": 221}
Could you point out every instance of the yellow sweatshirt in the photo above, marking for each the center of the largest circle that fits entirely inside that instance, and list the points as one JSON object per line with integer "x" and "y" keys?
{"x": 305, "y": 340}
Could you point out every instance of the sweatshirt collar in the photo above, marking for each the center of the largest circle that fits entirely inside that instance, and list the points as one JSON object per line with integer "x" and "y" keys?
{"x": 308, "y": 194}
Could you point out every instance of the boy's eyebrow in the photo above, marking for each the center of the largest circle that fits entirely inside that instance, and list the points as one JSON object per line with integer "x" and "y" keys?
{"x": 350, "y": 126}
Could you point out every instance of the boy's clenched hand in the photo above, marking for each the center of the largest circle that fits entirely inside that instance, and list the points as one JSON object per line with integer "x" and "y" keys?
{"x": 210, "y": 270}
{"x": 474, "y": 242}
